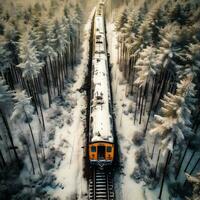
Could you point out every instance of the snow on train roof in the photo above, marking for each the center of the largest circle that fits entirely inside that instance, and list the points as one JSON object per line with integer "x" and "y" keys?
{"x": 101, "y": 118}
{"x": 99, "y": 24}
{"x": 100, "y": 112}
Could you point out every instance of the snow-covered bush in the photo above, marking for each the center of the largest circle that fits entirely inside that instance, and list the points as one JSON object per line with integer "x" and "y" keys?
{"x": 143, "y": 172}
{"x": 83, "y": 111}
{"x": 50, "y": 132}
{"x": 141, "y": 157}
{"x": 53, "y": 113}
{"x": 53, "y": 159}
{"x": 69, "y": 120}
{"x": 130, "y": 107}
{"x": 138, "y": 138}
{"x": 137, "y": 174}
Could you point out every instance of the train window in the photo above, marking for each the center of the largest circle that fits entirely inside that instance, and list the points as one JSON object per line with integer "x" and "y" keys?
{"x": 109, "y": 149}
{"x": 93, "y": 149}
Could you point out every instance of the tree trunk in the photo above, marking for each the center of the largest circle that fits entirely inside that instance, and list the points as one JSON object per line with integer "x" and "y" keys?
{"x": 34, "y": 100}
{"x": 48, "y": 85}
{"x": 136, "y": 104}
{"x": 10, "y": 136}
{"x": 164, "y": 173}
{"x": 180, "y": 165}
{"x": 151, "y": 106}
{"x": 31, "y": 159}
{"x": 140, "y": 97}
{"x": 154, "y": 145}
{"x": 2, "y": 160}
{"x": 194, "y": 166}
{"x": 52, "y": 75}
{"x": 142, "y": 103}
{"x": 157, "y": 161}
{"x": 34, "y": 144}
{"x": 39, "y": 102}
{"x": 146, "y": 98}
{"x": 161, "y": 91}
{"x": 191, "y": 157}
{"x": 72, "y": 54}
{"x": 7, "y": 146}
{"x": 66, "y": 63}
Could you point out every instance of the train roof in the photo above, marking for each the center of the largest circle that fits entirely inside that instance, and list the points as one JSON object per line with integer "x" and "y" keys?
{"x": 99, "y": 25}
{"x": 101, "y": 122}
{"x": 100, "y": 112}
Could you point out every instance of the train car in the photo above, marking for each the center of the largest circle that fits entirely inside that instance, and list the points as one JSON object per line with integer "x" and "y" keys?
{"x": 101, "y": 141}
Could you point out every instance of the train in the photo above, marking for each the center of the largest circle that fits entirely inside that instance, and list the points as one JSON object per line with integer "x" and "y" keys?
{"x": 101, "y": 140}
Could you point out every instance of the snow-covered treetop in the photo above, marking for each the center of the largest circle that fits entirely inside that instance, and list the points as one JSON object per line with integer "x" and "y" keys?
{"x": 43, "y": 44}
{"x": 169, "y": 37}
{"x": 174, "y": 121}
{"x": 190, "y": 61}
{"x": 121, "y": 20}
{"x": 58, "y": 36}
{"x": 30, "y": 63}
{"x": 146, "y": 66}
{"x": 22, "y": 107}
{"x": 186, "y": 88}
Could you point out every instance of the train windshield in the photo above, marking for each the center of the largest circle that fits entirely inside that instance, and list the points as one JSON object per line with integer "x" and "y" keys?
{"x": 101, "y": 152}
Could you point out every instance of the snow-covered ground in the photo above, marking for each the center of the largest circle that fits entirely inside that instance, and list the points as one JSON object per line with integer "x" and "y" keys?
{"x": 125, "y": 186}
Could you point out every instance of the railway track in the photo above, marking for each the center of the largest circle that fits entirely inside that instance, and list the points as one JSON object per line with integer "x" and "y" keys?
{"x": 101, "y": 185}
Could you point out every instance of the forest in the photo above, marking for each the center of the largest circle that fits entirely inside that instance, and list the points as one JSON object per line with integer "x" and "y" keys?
{"x": 159, "y": 57}
{"x": 154, "y": 48}
{"x": 38, "y": 51}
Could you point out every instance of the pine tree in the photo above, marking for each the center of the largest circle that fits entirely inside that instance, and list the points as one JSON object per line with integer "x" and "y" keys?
{"x": 173, "y": 125}
{"x": 26, "y": 143}
{"x": 30, "y": 66}
{"x": 122, "y": 20}
{"x": 24, "y": 110}
{"x": 46, "y": 55}
{"x": 59, "y": 43}
{"x": 5, "y": 101}
{"x": 146, "y": 69}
